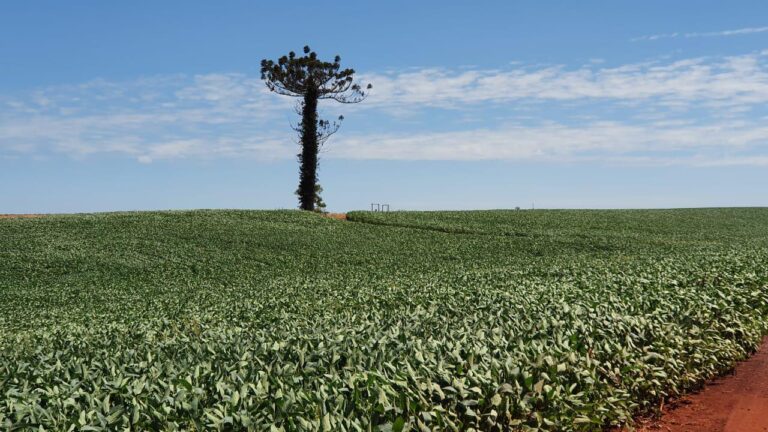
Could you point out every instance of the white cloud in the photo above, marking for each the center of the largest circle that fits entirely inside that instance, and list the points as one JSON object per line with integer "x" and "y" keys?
{"x": 730, "y": 80}
{"x": 716, "y": 144}
{"x": 736, "y": 32}
{"x": 694, "y": 111}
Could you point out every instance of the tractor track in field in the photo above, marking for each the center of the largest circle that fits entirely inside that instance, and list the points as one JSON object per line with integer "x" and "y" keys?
{"x": 733, "y": 403}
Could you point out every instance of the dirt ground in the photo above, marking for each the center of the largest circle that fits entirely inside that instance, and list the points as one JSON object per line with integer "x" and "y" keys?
{"x": 14, "y": 216}
{"x": 337, "y": 216}
{"x": 733, "y": 403}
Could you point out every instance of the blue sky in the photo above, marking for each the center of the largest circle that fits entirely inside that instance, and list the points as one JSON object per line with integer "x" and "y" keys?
{"x": 592, "y": 104}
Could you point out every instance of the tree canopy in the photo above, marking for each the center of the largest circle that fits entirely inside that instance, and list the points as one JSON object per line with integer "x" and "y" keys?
{"x": 296, "y": 76}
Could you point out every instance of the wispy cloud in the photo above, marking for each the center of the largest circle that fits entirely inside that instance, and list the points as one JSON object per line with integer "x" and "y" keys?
{"x": 695, "y": 111}
{"x": 735, "y": 32}
{"x": 164, "y": 117}
{"x": 738, "y": 79}
{"x": 726, "y": 143}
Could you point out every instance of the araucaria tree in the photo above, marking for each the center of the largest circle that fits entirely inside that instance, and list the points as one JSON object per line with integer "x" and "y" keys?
{"x": 311, "y": 79}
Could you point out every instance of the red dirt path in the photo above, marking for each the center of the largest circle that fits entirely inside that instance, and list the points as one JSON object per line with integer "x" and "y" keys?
{"x": 14, "y": 216}
{"x": 337, "y": 216}
{"x": 734, "y": 403}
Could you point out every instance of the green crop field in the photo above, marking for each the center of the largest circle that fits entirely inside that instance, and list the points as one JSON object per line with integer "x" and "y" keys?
{"x": 283, "y": 320}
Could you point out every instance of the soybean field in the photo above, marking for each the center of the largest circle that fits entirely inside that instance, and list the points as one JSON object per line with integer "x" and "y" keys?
{"x": 403, "y": 321}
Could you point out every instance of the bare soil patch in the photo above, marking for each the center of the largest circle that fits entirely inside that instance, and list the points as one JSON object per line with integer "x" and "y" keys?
{"x": 733, "y": 403}
{"x": 17, "y": 216}
{"x": 337, "y": 216}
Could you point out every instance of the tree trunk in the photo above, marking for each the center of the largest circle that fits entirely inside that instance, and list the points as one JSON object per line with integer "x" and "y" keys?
{"x": 309, "y": 148}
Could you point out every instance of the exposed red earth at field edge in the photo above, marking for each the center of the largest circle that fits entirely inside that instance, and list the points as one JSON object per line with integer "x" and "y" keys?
{"x": 14, "y": 216}
{"x": 337, "y": 216}
{"x": 733, "y": 403}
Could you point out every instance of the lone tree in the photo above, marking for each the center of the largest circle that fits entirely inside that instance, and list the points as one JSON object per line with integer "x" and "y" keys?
{"x": 311, "y": 79}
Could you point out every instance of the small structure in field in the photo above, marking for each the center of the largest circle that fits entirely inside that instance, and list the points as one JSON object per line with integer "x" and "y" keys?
{"x": 376, "y": 207}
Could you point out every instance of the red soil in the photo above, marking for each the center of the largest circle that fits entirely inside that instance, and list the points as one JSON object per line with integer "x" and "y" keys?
{"x": 734, "y": 403}
{"x": 337, "y": 216}
{"x": 14, "y": 216}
